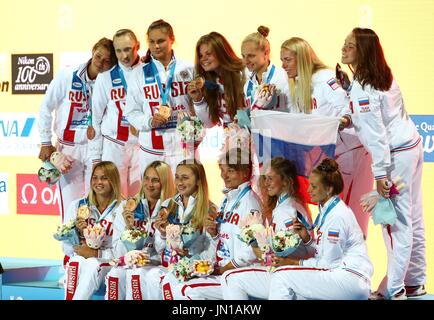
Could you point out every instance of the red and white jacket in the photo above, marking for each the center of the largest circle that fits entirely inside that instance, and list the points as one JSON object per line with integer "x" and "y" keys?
{"x": 144, "y": 99}
{"x": 108, "y": 108}
{"x": 67, "y": 96}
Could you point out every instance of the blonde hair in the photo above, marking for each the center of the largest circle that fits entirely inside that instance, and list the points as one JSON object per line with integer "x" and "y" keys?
{"x": 259, "y": 39}
{"x": 307, "y": 64}
{"x": 203, "y": 204}
{"x": 112, "y": 173}
{"x": 166, "y": 180}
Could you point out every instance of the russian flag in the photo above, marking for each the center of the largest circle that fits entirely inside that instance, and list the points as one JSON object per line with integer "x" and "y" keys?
{"x": 305, "y": 139}
{"x": 363, "y": 102}
{"x": 333, "y": 233}
{"x": 288, "y": 224}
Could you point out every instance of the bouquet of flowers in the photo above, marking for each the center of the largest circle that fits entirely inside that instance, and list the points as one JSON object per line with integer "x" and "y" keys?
{"x": 136, "y": 258}
{"x": 285, "y": 242}
{"x": 67, "y": 232}
{"x": 236, "y": 136}
{"x": 134, "y": 239}
{"x": 94, "y": 236}
{"x": 250, "y": 225}
{"x": 49, "y": 173}
{"x": 188, "y": 235}
{"x": 202, "y": 268}
{"x": 61, "y": 161}
{"x": 382, "y": 209}
{"x": 191, "y": 130}
{"x": 183, "y": 269}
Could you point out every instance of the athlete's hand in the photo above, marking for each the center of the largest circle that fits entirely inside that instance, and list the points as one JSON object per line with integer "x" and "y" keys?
{"x": 258, "y": 253}
{"x": 158, "y": 120}
{"x": 194, "y": 92}
{"x": 344, "y": 122}
{"x": 85, "y": 251}
{"x": 383, "y": 187}
{"x": 301, "y": 230}
{"x": 211, "y": 225}
{"x": 45, "y": 152}
{"x": 264, "y": 97}
{"x": 129, "y": 218}
{"x": 283, "y": 261}
{"x": 161, "y": 221}
{"x": 80, "y": 224}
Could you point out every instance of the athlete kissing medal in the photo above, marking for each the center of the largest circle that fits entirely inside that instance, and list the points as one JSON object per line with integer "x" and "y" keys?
{"x": 90, "y": 132}
{"x": 131, "y": 204}
{"x": 83, "y": 212}
{"x": 165, "y": 111}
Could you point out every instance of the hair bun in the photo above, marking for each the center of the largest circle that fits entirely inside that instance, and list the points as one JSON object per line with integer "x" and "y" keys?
{"x": 328, "y": 165}
{"x": 264, "y": 30}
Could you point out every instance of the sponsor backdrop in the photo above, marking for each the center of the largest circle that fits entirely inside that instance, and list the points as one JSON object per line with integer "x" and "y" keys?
{"x": 32, "y": 50}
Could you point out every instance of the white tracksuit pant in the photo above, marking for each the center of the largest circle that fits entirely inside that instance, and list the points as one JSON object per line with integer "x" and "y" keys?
{"x": 244, "y": 283}
{"x": 74, "y": 184}
{"x": 127, "y": 160}
{"x": 84, "y": 277}
{"x": 300, "y": 283}
{"x": 405, "y": 241}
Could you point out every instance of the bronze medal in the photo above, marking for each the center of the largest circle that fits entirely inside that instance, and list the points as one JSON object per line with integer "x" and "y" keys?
{"x": 131, "y": 204}
{"x": 165, "y": 111}
{"x": 199, "y": 82}
{"x": 90, "y": 132}
{"x": 83, "y": 212}
{"x": 134, "y": 131}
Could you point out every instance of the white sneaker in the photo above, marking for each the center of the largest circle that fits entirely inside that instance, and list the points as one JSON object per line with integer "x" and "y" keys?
{"x": 399, "y": 296}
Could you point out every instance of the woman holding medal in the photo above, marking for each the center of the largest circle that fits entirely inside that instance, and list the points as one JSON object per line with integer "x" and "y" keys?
{"x": 255, "y": 51}
{"x": 87, "y": 266}
{"x": 314, "y": 90}
{"x": 381, "y": 121}
{"x": 288, "y": 212}
{"x": 223, "y": 230}
{"x": 69, "y": 96}
{"x": 140, "y": 213}
{"x": 157, "y": 93}
{"x": 217, "y": 92}
{"x": 189, "y": 207}
{"x": 341, "y": 268}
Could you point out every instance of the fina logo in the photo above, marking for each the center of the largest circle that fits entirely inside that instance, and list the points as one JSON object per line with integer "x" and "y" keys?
{"x": 10, "y": 128}
{"x": 425, "y": 126}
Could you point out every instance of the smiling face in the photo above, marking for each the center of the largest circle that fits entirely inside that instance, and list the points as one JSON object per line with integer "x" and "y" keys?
{"x": 317, "y": 190}
{"x": 126, "y": 49}
{"x": 100, "y": 184}
{"x": 100, "y": 62}
{"x": 207, "y": 58}
{"x": 349, "y": 50}
{"x": 152, "y": 184}
{"x": 255, "y": 59}
{"x": 232, "y": 177}
{"x": 185, "y": 181}
{"x": 274, "y": 183}
{"x": 289, "y": 62}
{"x": 160, "y": 44}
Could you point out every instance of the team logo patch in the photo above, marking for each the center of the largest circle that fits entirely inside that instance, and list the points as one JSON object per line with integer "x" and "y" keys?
{"x": 333, "y": 84}
{"x": 183, "y": 74}
{"x": 117, "y": 81}
{"x": 364, "y": 105}
{"x": 333, "y": 235}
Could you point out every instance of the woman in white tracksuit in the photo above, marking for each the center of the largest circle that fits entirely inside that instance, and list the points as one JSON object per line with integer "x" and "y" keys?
{"x": 69, "y": 96}
{"x": 288, "y": 212}
{"x": 87, "y": 267}
{"x": 255, "y": 51}
{"x": 162, "y": 81}
{"x": 314, "y": 90}
{"x": 157, "y": 186}
{"x": 385, "y": 129}
{"x": 341, "y": 268}
{"x": 227, "y": 250}
{"x": 190, "y": 206}
{"x": 115, "y": 138}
